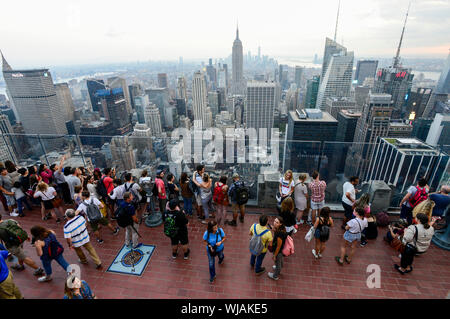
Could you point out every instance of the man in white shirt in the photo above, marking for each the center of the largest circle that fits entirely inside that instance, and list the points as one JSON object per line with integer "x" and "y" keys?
{"x": 77, "y": 236}
{"x": 349, "y": 198}
{"x": 88, "y": 200}
{"x": 72, "y": 180}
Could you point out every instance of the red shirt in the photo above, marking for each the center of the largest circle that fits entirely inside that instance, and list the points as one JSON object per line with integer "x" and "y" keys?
{"x": 160, "y": 184}
{"x": 108, "y": 181}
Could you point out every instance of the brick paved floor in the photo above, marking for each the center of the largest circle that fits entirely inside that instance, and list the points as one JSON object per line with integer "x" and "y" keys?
{"x": 302, "y": 276}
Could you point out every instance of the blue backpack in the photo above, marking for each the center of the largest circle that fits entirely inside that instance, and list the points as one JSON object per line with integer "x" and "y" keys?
{"x": 52, "y": 247}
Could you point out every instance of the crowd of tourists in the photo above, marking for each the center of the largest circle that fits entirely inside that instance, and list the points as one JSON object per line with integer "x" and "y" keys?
{"x": 83, "y": 202}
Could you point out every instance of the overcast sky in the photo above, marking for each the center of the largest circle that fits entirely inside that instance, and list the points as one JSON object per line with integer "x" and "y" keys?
{"x": 55, "y": 32}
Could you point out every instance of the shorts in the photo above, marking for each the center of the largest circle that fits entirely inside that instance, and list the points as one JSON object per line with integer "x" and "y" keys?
{"x": 10, "y": 201}
{"x": 48, "y": 204}
{"x": 348, "y": 236}
{"x": 198, "y": 199}
{"x": 18, "y": 252}
{"x": 181, "y": 238}
{"x": 103, "y": 221}
{"x": 318, "y": 205}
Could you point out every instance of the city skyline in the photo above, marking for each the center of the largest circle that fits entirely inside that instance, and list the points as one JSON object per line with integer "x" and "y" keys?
{"x": 69, "y": 38}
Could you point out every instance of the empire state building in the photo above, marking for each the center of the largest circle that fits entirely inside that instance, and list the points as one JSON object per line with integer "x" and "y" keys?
{"x": 238, "y": 66}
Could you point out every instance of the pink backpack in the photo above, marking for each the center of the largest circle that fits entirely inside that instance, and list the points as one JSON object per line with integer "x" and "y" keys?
{"x": 288, "y": 248}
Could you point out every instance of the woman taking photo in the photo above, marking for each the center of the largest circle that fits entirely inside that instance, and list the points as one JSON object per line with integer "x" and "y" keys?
{"x": 77, "y": 289}
{"x": 279, "y": 238}
{"x": 214, "y": 238}
{"x": 417, "y": 239}
{"x": 206, "y": 196}
{"x": 48, "y": 248}
{"x": 48, "y": 196}
{"x": 45, "y": 173}
{"x": 301, "y": 197}
{"x": 186, "y": 193}
{"x": 174, "y": 191}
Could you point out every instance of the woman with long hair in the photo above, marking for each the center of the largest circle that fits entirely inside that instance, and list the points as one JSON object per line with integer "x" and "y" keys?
{"x": 206, "y": 196}
{"x": 47, "y": 195}
{"x": 186, "y": 193}
{"x": 301, "y": 197}
{"x": 288, "y": 215}
{"x": 48, "y": 248}
{"x": 45, "y": 173}
{"x": 322, "y": 227}
{"x": 75, "y": 288}
{"x": 214, "y": 238}
{"x": 286, "y": 186}
{"x": 279, "y": 239}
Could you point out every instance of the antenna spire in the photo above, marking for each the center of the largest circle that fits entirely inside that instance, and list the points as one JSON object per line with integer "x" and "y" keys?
{"x": 397, "y": 56}
{"x": 337, "y": 20}
{"x": 237, "y": 29}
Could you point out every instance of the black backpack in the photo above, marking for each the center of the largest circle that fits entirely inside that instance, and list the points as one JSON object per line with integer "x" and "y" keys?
{"x": 324, "y": 233}
{"x": 135, "y": 201}
{"x": 101, "y": 188}
{"x": 123, "y": 219}
{"x": 241, "y": 193}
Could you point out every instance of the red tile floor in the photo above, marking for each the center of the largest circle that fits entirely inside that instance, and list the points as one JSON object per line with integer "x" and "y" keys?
{"x": 301, "y": 277}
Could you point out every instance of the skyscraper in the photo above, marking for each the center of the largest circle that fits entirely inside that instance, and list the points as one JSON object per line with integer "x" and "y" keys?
{"x": 238, "y": 66}
{"x": 337, "y": 78}
{"x": 140, "y": 103}
{"x": 34, "y": 96}
{"x": 443, "y": 85}
{"x": 163, "y": 82}
{"x": 312, "y": 88}
{"x": 181, "y": 88}
{"x": 153, "y": 119}
{"x": 114, "y": 109}
{"x": 365, "y": 69}
{"x": 65, "y": 101}
{"x": 298, "y": 76}
{"x": 8, "y": 149}
{"x": 118, "y": 82}
{"x": 261, "y": 104}
{"x": 122, "y": 153}
{"x": 373, "y": 123}
{"x": 93, "y": 86}
{"x": 199, "y": 98}
{"x": 134, "y": 90}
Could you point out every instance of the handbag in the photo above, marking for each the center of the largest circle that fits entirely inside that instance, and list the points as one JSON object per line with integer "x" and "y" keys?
{"x": 411, "y": 249}
{"x": 57, "y": 202}
{"x": 309, "y": 234}
{"x": 398, "y": 245}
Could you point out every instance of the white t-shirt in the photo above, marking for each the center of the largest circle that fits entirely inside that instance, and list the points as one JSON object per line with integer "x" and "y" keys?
{"x": 348, "y": 188}
{"x": 286, "y": 186}
{"x": 47, "y": 195}
{"x": 357, "y": 225}
{"x": 18, "y": 193}
{"x": 83, "y": 207}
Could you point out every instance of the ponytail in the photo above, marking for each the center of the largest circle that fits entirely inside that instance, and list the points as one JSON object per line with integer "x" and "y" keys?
{"x": 423, "y": 220}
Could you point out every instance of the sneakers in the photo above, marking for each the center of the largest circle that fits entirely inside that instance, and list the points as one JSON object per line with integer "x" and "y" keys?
{"x": 174, "y": 255}
{"x": 38, "y": 272}
{"x": 82, "y": 262}
{"x": 100, "y": 241}
{"x": 14, "y": 213}
{"x": 18, "y": 267}
{"x": 186, "y": 255}
{"x": 204, "y": 222}
{"x": 221, "y": 261}
{"x": 241, "y": 219}
{"x": 294, "y": 231}
{"x": 363, "y": 243}
{"x": 309, "y": 223}
{"x": 137, "y": 246}
{"x": 300, "y": 222}
{"x": 274, "y": 267}
{"x": 320, "y": 255}
{"x": 99, "y": 267}
{"x": 261, "y": 271}
{"x": 315, "y": 254}
{"x": 211, "y": 280}
{"x": 271, "y": 276}
{"x": 58, "y": 220}
{"x": 116, "y": 231}
{"x": 44, "y": 278}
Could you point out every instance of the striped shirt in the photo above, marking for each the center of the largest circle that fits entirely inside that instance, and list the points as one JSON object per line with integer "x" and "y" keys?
{"x": 76, "y": 230}
{"x": 317, "y": 191}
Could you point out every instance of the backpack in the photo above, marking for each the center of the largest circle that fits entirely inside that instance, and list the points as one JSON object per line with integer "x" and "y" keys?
{"x": 15, "y": 234}
{"x": 93, "y": 212}
{"x": 135, "y": 201}
{"x": 193, "y": 187}
{"x": 256, "y": 245}
{"x": 123, "y": 219}
{"x": 324, "y": 233}
{"x": 288, "y": 248}
{"x": 53, "y": 247}
{"x": 219, "y": 195}
{"x": 419, "y": 196}
{"x": 241, "y": 193}
{"x": 170, "y": 228}
{"x": 101, "y": 188}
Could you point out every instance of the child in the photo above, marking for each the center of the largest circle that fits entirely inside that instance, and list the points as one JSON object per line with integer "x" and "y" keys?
{"x": 371, "y": 232}
{"x": 20, "y": 197}
{"x": 77, "y": 196}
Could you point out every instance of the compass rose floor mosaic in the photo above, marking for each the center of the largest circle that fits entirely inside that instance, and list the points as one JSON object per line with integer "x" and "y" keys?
{"x": 132, "y": 261}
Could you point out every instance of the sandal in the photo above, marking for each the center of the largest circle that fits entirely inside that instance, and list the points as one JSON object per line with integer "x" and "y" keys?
{"x": 347, "y": 260}
{"x": 398, "y": 269}
{"x": 338, "y": 260}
